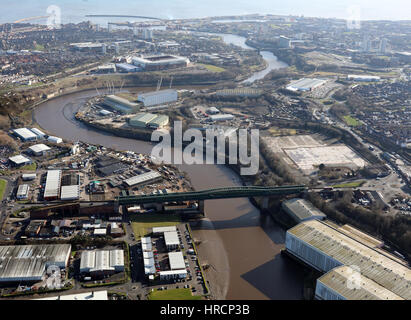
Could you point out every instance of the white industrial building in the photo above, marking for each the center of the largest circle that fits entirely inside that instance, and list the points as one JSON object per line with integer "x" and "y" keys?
{"x": 40, "y": 134}
{"x": 158, "y": 97}
{"x": 23, "y": 192}
{"x": 363, "y": 78}
{"x": 20, "y": 160}
{"x": 160, "y": 230}
{"x": 148, "y": 177}
{"x": 171, "y": 240}
{"x": 173, "y": 274}
{"x": 69, "y": 193}
{"x": 53, "y": 185}
{"x": 29, "y": 263}
{"x": 302, "y": 210}
{"x": 146, "y": 244}
{"x": 222, "y": 117}
{"x": 25, "y": 134}
{"x": 100, "y": 262}
{"x": 39, "y": 149}
{"x": 29, "y": 176}
{"x": 120, "y": 104}
{"x": 55, "y": 140}
{"x": 86, "y": 296}
{"x": 176, "y": 260}
{"x": 212, "y": 110}
{"x": 324, "y": 247}
{"x": 306, "y": 84}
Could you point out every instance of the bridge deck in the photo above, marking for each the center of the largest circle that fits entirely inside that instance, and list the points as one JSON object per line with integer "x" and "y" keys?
{"x": 220, "y": 193}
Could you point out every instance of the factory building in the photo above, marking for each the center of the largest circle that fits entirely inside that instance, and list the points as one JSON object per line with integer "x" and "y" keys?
{"x": 19, "y": 161}
{"x": 102, "y": 262}
{"x": 176, "y": 260}
{"x": 302, "y": 210}
{"x": 29, "y": 177}
{"x": 25, "y": 134}
{"x": 86, "y": 296}
{"x": 361, "y": 78}
{"x": 173, "y": 274}
{"x": 53, "y": 185}
{"x": 325, "y": 247}
{"x": 240, "y": 92}
{"x": 339, "y": 284}
{"x": 142, "y": 179}
{"x": 171, "y": 240}
{"x": 221, "y": 117}
{"x": 158, "y": 97}
{"x": 161, "y": 230}
{"x": 40, "y": 134}
{"x": 29, "y": 263}
{"x": 39, "y": 150}
{"x": 306, "y": 84}
{"x": 23, "y": 192}
{"x": 212, "y": 111}
{"x": 55, "y": 140}
{"x": 120, "y": 104}
{"x": 160, "y": 62}
{"x": 150, "y": 120}
{"x": 69, "y": 193}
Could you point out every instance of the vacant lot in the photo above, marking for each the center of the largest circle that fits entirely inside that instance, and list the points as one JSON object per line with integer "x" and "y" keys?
{"x": 352, "y": 122}
{"x": 3, "y": 185}
{"x": 212, "y": 68}
{"x": 174, "y": 294}
{"x": 141, "y": 223}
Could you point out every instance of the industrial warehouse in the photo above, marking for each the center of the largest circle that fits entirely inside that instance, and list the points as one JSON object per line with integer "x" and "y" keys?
{"x": 120, "y": 104}
{"x": 29, "y": 263}
{"x": 306, "y": 84}
{"x": 158, "y": 97}
{"x": 102, "y": 263}
{"x": 149, "y": 120}
{"x": 302, "y": 210}
{"x": 327, "y": 248}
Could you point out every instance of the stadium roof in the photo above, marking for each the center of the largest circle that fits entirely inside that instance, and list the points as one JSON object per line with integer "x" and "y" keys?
{"x": 374, "y": 264}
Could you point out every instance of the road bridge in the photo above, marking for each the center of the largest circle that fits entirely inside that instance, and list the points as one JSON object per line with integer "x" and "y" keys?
{"x": 212, "y": 194}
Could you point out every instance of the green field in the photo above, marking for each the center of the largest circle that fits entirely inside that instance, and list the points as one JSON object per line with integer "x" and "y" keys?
{"x": 212, "y": 68}
{"x": 30, "y": 167}
{"x": 355, "y": 184}
{"x": 141, "y": 223}
{"x": 174, "y": 294}
{"x": 3, "y": 185}
{"x": 352, "y": 122}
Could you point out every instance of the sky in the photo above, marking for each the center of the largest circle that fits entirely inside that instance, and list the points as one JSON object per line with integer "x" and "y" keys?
{"x": 75, "y": 10}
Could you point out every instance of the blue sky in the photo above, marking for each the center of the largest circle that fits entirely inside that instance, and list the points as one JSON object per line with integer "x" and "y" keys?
{"x": 12, "y": 10}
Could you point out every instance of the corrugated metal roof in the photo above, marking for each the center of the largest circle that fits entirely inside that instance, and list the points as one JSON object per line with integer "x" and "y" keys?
{"x": 143, "y": 178}
{"x": 302, "y": 209}
{"x": 25, "y": 133}
{"x": 52, "y": 189}
{"x": 39, "y": 148}
{"x": 70, "y": 192}
{"x": 374, "y": 265}
{"x": 176, "y": 260}
{"x": 351, "y": 285}
{"x": 171, "y": 238}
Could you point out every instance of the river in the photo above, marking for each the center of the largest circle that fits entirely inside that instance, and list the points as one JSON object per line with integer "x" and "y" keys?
{"x": 241, "y": 246}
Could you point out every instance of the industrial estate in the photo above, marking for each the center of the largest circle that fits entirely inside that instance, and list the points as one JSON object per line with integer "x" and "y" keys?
{"x": 88, "y": 214}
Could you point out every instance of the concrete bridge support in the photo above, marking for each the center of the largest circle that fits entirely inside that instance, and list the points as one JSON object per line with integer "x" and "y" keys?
{"x": 266, "y": 201}
{"x": 201, "y": 207}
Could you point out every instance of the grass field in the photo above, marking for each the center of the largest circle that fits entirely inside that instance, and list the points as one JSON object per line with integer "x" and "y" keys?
{"x": 355, "y": 184}
{"x": 3, "y": 185}
{"x": 212, "y": 68}
{"x": 352, "y": 122}
{"x": 30, "y": 167}
{"x": 141, "y": 223}
{"x": 174, "y": 294}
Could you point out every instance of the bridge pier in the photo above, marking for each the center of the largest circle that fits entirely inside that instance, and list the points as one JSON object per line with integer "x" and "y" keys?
{"x": 265, "y": 203}
{"x": 201, "y": 207}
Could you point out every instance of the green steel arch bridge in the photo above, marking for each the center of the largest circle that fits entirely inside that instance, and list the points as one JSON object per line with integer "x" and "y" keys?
{"x": 211, "y": 194}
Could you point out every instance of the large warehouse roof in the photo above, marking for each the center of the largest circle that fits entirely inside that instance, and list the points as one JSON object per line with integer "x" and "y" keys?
{"x": 344, "y": 279}
{"x": 171, "y": 238}
{"x": 38, "y": 148}
{"x": 120, "y": 101}
{"x": 19, "y": 160}
{"x": 302, "y": 210}
{"x": 25, "y": 134}
{"x": 164, "y": 229}
{"x": 70, "y": 192}
{"x": 143, "y": 178}
{"x": 89, "y": 296}
{"x": 305, "y": 84}
{"x": 52, "y": 188}
{"x": 101, "y": 260}
{"x": 374, "y": 264}
{"x": 28, "y": 263}
{"x": 176, "y": 260}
